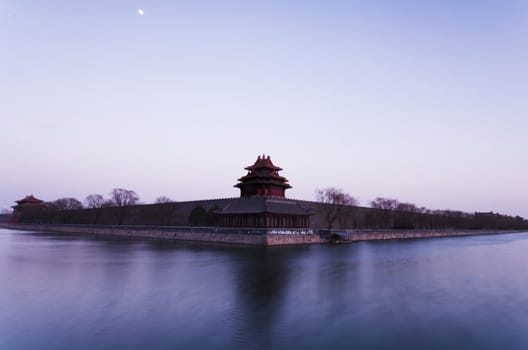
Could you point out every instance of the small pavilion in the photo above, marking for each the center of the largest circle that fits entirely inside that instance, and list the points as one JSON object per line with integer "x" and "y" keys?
{"x": 27, "y": 202}
{"x": 262, "y": 201}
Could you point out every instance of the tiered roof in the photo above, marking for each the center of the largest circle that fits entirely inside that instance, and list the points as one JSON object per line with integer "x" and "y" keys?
{"x": 264, "y": 162}
{"x": 257, "y": 205}
{"x": 30, "y": 199}
{"x": 263, "y": 179}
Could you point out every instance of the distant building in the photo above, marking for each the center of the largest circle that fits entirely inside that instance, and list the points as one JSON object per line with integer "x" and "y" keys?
{"x": 27, "y": 202}
{"x": 262, "y": 201}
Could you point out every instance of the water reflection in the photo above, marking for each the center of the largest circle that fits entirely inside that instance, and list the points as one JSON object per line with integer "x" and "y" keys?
{"x": 261, "y": 281}
{"x": 87, "y": 292}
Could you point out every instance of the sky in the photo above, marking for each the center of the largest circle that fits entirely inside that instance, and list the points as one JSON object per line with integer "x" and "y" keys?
{"x": 420, "y": 100}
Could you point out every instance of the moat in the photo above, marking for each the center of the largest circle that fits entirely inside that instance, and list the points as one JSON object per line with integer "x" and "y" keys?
{"x": 84, "y": 292}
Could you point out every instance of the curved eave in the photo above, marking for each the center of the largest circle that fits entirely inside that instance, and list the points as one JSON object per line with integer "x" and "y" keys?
{"x": 248, "y": 178}
{"x": 262, "y": 166}
{"x": 285, "y": 186}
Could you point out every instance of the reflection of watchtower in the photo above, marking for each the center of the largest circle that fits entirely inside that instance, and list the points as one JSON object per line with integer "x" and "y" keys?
{"x": 263, "y": 179}
{"x": 28, "y": 202}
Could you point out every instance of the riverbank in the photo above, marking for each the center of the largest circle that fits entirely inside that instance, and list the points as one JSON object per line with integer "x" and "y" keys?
{"x": 375, "y": 235}
{"x": 248, "y": 236}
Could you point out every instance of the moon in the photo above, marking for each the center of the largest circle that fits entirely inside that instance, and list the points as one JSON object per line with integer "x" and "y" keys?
{"x": 141, "y": 12}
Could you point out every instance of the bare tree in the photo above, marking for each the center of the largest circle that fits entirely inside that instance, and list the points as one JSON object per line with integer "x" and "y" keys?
{"x": 384, "y": 203}
{"x": 108, "y": 203}
{"x": 94, "y": 201}
{"x": 62, "y": 208}
{"x": 67, "y": 204}
{"x": 162, "y": 212}
{"x": 405, "y": 217}
{"x": 123, "y": 199}
{"x": 336, "y": 206}
{"x": 163, "y": 199}
{"x": 387, "y": 207}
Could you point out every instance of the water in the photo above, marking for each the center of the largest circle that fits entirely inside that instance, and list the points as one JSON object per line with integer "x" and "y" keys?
{"x": 79, "y": 292}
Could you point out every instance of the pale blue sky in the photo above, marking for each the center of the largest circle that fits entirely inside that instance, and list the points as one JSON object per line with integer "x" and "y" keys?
{"x": 423, "y": 101}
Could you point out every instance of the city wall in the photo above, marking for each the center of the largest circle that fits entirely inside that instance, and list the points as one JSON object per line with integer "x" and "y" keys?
{"x": 262, "y": 237}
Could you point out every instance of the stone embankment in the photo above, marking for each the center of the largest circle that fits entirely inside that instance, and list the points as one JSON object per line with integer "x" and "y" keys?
{"x": 198, "y": 234}
{"x": 262, "y": 237}
{"x": 374, "y": 235}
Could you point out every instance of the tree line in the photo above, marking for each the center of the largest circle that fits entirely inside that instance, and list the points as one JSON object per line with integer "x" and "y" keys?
{"x": 340, "y": 210}
{"x": 121, "y": 207}
{"x": 64, "y": 210}
{"x": 333, "y": 209}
